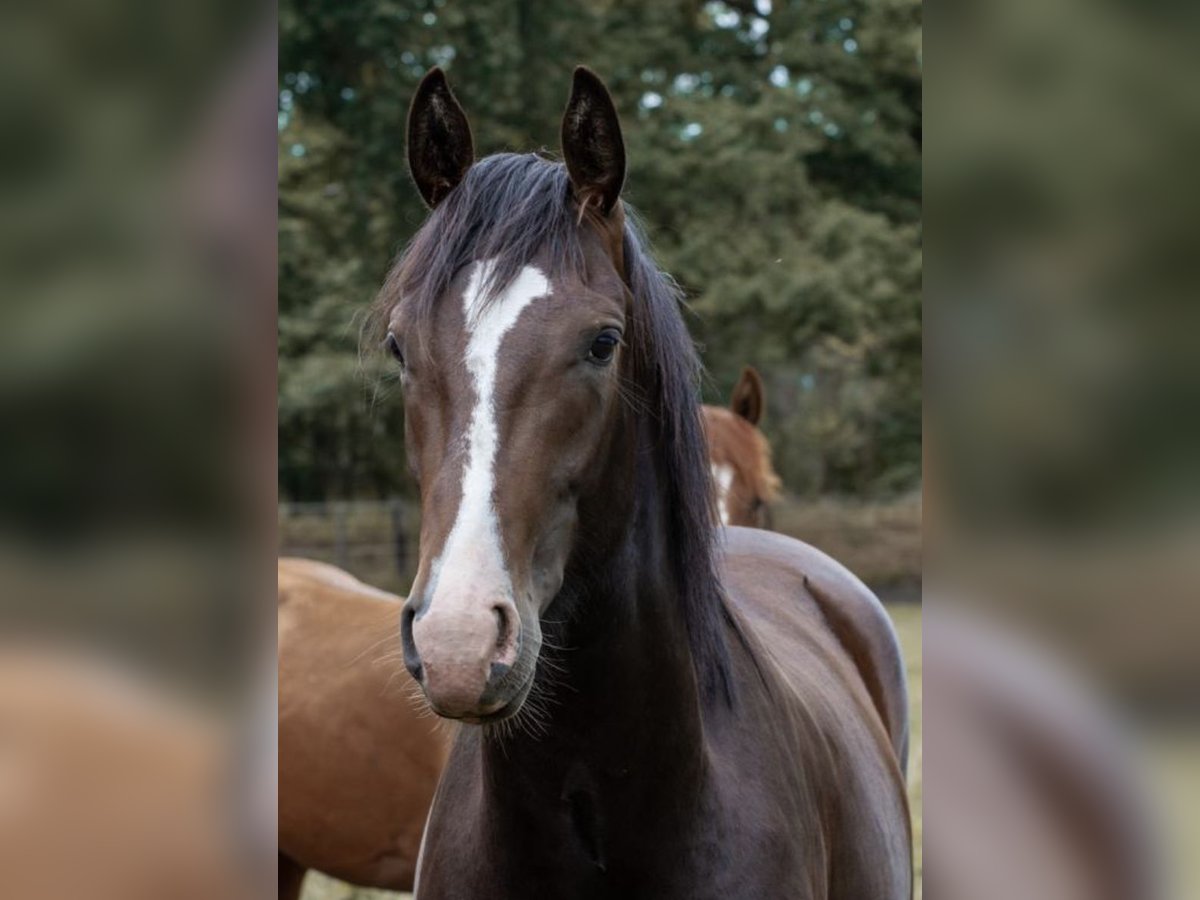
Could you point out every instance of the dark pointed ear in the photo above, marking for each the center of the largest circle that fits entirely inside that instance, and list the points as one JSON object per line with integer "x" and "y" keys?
{"x": 440, "y": 149}
{"x": 591, "y": 142}
{"x": 749, "y": 398}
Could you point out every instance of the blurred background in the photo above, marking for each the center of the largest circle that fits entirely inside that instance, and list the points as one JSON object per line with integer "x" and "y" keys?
{"x": 1061, "y": 390}
{"x": 774, "y": 153}
{"x": 137, "y": 490}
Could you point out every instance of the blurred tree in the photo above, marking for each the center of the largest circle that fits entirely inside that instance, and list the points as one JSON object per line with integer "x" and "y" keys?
{"x": 774, "y": 153}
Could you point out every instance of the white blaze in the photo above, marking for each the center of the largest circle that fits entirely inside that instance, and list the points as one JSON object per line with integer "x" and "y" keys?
{"x": 723, "y": 478}
{"x": 472, "y": 556}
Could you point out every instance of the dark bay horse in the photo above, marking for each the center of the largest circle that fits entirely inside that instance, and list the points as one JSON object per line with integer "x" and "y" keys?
{"x": 666, "y": 710}
{"x": 346, "y": 807}
{"x": 744, "y": 481}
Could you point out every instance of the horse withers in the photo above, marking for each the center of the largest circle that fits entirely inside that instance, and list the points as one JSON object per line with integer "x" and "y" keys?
{"x": 660, "y": 715}
{"x": 744, "y": 481}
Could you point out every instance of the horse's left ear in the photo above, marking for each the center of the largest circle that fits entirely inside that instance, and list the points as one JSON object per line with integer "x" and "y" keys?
{"x": 748, "y": 396}
{"x": 440, "y": 148}
{"x": 591, "y": 142}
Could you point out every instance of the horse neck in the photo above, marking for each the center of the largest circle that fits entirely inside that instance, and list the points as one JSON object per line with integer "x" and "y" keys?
{"x": 621, "y": 695}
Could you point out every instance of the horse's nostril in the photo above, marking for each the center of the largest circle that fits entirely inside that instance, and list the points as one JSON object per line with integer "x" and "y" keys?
{"x": 508, "y": 634}
{"x": 412, "y": 659}
{"x": 502, "y": 626}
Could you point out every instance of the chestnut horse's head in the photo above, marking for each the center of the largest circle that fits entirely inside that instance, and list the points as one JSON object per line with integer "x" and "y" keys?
{"x": 512, "y": 319}
{"x": 743, "y": 478}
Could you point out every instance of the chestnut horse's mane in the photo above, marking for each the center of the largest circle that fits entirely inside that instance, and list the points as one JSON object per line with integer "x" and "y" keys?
{"x": 513, "y": 208}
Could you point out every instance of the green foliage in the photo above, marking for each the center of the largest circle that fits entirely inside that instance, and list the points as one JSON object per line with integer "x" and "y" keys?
{"x": 774, "y": 153}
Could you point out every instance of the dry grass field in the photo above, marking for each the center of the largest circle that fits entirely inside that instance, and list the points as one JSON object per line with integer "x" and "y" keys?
{"x": 880, "y": 542}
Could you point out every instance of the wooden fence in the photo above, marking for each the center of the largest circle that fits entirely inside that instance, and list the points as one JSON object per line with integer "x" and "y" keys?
{"x": 377, "y": 540}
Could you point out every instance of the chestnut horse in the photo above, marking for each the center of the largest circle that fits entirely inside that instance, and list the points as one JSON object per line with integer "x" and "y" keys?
{"x": 357, "y": 764}
{"x": 659, "y": 719}
{"x": 740, "y": 457}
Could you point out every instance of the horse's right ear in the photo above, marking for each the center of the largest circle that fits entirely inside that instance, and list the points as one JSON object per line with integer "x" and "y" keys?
{"x": 592, "y": 146}
{"x": 440, "y": 149}
{"x": 749, "y": 397}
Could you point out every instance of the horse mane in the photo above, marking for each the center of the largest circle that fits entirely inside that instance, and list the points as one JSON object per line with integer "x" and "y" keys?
{"x": 767, "y": 480}
{"x": 762, "y": 476}
{"x": 512, "y": 207}
{"x": 668, "y": 369}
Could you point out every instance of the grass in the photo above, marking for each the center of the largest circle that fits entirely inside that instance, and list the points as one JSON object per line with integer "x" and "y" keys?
{"x": 322, "y": 887}
{"x": 907, "y": 618}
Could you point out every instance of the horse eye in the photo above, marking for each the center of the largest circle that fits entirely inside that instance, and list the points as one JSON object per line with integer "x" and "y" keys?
{"x": 393, "y": 347}
{"x": 604, "y": 346}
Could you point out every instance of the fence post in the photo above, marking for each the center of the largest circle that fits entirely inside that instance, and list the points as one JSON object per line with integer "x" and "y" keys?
{"x": 339, "y": 535}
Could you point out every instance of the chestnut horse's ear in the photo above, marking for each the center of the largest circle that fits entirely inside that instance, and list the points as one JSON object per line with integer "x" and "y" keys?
{"x": 748, "y": 396}
{"x": 440, "y": 149}
{"x": 591, "y": 142}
